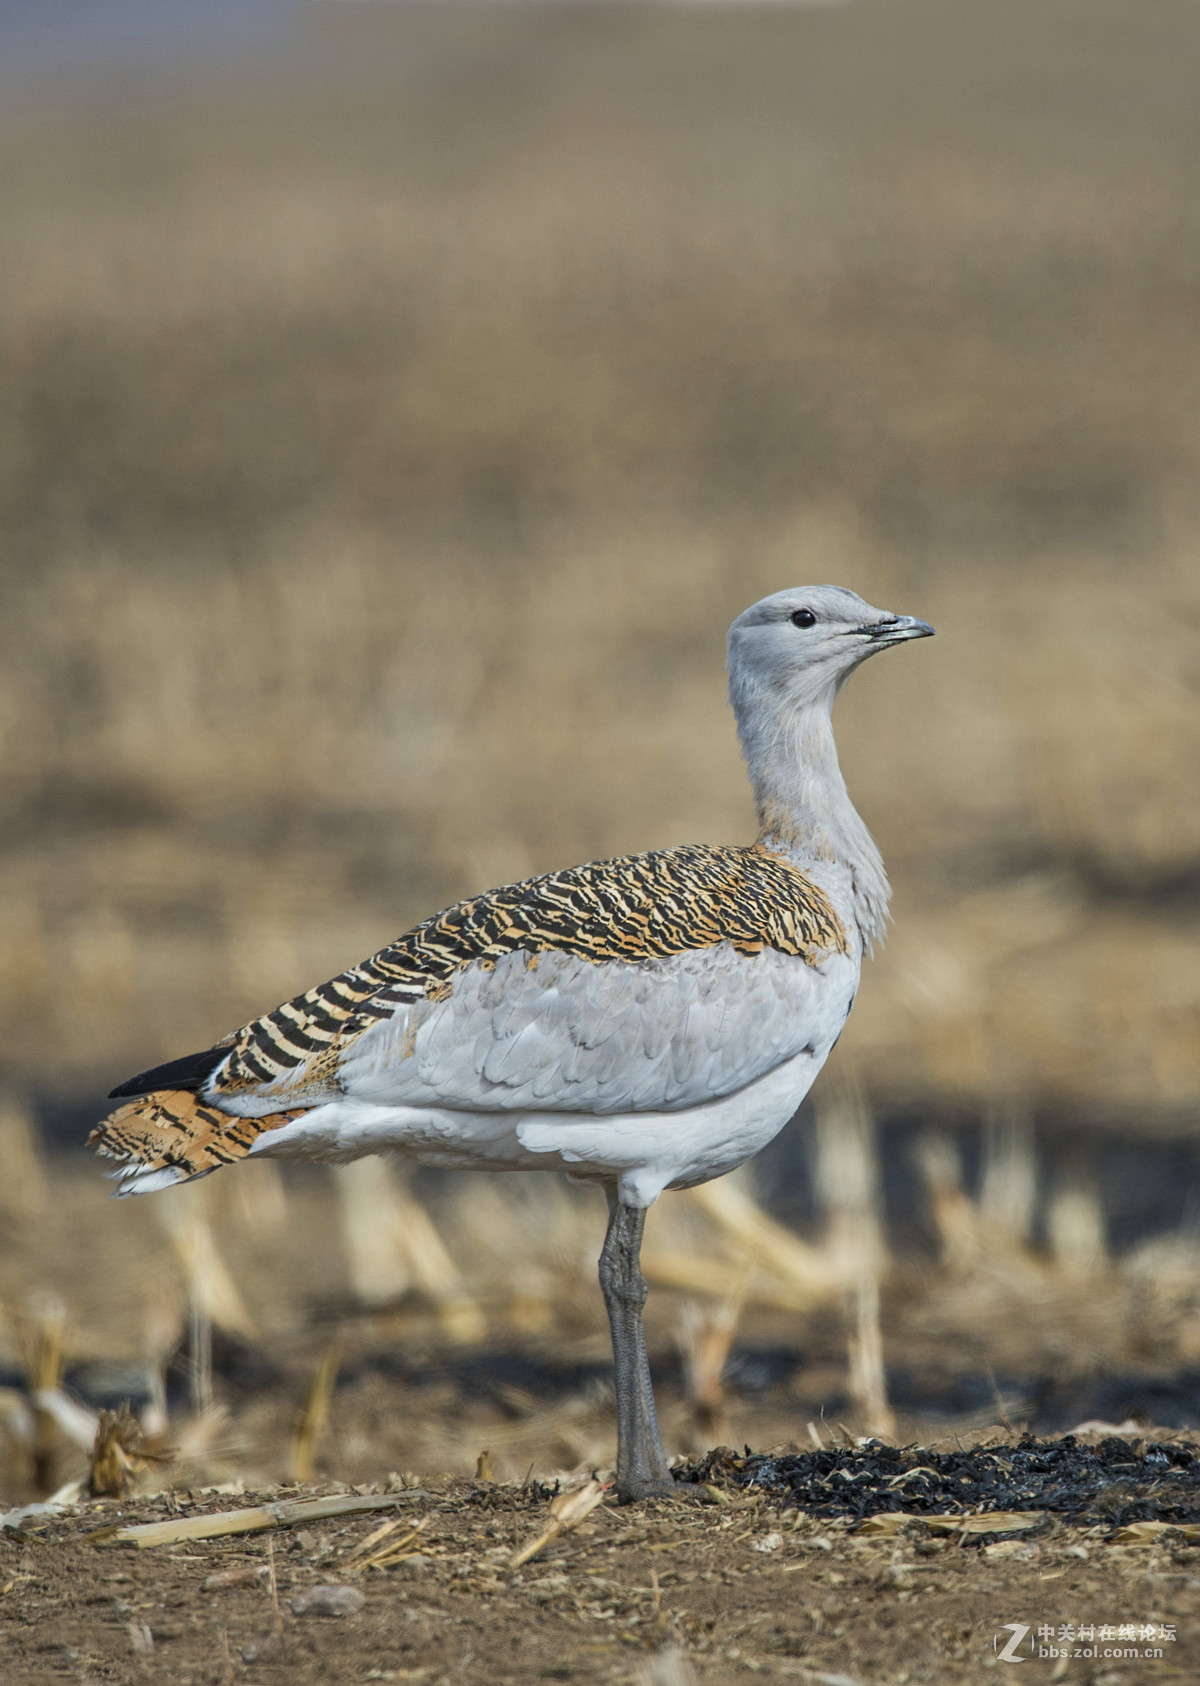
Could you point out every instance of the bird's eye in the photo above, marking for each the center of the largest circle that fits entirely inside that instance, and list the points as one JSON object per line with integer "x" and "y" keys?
{"x": 803, "y": 617}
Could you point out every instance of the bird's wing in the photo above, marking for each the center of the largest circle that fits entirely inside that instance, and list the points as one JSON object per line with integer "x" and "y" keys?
{"x": 566, "y": 1035}
{"x": 639, "y": 984}
{"x": 632, "y": 982}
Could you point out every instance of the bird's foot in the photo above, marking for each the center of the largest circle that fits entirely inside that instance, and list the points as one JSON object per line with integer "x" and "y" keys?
{"x": 631, "y": 1490}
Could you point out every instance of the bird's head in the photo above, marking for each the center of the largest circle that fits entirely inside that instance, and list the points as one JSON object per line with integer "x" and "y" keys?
{"x": 800, "y": 646}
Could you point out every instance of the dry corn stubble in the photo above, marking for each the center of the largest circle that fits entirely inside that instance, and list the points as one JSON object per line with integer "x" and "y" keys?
{"x": 571, "y": 430}
{"x": 285, "y": 1513}
{"x": 121, "y": 1453}
{"x": 993, "y": 1522}
{"x": 567, "y": 1511}
{"x": 313, "y": 1415}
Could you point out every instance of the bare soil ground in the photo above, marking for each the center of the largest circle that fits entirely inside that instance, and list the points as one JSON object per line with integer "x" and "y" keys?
{"x": 662, "y": 1593}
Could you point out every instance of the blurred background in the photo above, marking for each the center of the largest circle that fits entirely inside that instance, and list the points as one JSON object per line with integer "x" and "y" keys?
{"x": 397, "y": 403}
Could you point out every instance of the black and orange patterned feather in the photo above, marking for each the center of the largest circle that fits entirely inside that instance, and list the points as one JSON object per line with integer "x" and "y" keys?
{"x": 633, "y": 909}
{"x": 174, "y": 1130}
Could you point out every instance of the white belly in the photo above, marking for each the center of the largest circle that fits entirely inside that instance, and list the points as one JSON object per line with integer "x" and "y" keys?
{"x": 644, "y": 1152}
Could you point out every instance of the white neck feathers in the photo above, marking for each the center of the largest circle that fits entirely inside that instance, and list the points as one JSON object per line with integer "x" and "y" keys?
{"x": 803, "y": 805}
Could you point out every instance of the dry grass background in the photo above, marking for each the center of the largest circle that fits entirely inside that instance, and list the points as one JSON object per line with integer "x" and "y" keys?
{"x": 388, "y": 433}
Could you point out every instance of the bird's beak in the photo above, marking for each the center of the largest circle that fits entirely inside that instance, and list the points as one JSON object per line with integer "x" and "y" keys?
{"x": 897, "y": 629}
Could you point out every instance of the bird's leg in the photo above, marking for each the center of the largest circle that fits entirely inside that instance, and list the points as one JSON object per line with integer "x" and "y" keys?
{"x": 641, "y": 1463}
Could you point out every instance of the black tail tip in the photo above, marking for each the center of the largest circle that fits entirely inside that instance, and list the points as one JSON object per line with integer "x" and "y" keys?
{"x": 186, "y": 1073}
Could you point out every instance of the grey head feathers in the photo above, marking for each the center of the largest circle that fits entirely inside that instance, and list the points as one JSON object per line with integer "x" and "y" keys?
{"x": 788, "y": 657}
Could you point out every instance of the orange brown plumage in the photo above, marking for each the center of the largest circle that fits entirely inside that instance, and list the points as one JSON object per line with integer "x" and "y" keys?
{"x": 174, "y": 1130}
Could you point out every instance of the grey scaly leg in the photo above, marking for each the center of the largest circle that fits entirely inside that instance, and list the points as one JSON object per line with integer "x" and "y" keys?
{"x": 641, "y": 1463}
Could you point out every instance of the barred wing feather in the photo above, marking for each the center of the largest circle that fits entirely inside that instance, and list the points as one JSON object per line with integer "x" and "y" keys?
{"x": 648, "y": 981}
{"x": 566, "y": 1036}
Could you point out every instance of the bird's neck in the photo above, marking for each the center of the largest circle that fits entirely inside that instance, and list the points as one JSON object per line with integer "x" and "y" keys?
{"x": 804, "y": 808}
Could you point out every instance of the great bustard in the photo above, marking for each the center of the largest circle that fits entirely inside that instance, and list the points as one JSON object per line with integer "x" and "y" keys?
{"x": 644, "y": 1023}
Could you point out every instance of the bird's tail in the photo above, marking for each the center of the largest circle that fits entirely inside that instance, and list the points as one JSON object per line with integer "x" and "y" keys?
{"x": 171, "y": 1135}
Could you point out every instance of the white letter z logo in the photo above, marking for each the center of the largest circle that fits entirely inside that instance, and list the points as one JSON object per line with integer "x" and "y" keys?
{"x": 1009, "y": 1653}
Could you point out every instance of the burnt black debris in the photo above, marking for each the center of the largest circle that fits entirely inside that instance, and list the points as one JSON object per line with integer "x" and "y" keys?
{"x": 1116, "y": 1482}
